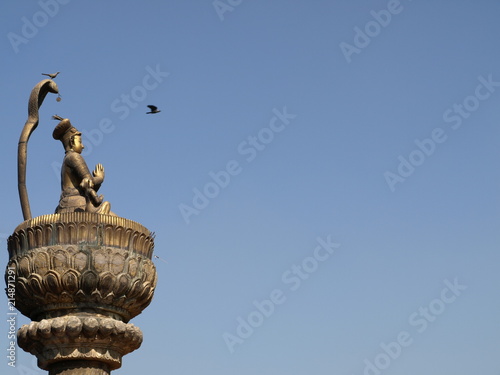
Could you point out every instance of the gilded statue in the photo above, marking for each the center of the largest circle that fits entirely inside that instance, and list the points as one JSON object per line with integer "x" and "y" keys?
{"x": 78, "y": 186}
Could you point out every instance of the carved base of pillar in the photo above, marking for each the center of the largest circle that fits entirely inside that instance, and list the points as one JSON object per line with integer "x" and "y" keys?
{"x": 79, "y": 337}
{"x": 81, "y": 277}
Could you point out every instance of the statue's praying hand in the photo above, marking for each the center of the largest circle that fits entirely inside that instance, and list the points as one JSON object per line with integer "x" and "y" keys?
{"x": 99, "y": 172}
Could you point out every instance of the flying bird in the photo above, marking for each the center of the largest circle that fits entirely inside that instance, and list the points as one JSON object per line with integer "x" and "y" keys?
{"x": 52, "y": 76}
{"x": 153, "y": 109}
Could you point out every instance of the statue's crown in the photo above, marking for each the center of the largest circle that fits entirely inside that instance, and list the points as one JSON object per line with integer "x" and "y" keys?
{"x": 64, "y": 129}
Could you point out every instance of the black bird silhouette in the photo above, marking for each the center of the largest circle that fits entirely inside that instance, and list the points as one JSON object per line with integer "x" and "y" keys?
{"x": 52, "y": 76}
{"x": 153, "y": 109}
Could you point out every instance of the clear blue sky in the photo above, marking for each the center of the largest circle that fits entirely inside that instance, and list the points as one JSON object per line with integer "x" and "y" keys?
{"x": 372, "y": 126}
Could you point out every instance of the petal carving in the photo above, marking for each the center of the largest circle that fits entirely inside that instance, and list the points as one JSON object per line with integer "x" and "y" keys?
{"x": 70, "y": 281}
{"x": 88, "y": 282}
{"x": 60, "y": 260}
{"x": 122, "y": 285}
{"x": 52, "y": 282}
{"x": 100, "y": 261}
{"x": 106, "y": 282}
{"x": 35, "y": 284}
{"x": 41, "y": 263}
{"x": 80, "y": 261}
{"x": 118, "y": 264}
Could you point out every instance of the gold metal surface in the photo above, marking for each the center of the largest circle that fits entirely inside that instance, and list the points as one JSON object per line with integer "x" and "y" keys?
{"x": 35, "y": 101}
{"x": 78, "y": 186}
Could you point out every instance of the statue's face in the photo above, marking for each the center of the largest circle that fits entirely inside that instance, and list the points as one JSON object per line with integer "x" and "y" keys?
{"x": 77, "y": 144}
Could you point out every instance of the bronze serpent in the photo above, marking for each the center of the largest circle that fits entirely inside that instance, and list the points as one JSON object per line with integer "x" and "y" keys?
{"x": 35, "y": 101}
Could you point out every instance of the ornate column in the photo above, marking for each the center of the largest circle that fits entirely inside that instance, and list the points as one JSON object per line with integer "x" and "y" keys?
{"x": 82, "y": 273}
{"x": 81, "y": 277}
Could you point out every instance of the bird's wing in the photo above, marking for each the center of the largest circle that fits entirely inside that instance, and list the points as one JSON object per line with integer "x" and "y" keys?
{"x": 152, "y": 107}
